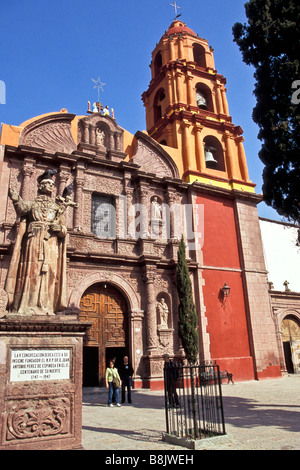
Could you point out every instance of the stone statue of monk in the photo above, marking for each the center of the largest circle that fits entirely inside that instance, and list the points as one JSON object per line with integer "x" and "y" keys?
{"x": 36, "y": 280}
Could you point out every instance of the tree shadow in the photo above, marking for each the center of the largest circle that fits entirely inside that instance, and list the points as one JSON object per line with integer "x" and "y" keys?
{"x": 248, "y": 413}
{"x": 142, "y": 435}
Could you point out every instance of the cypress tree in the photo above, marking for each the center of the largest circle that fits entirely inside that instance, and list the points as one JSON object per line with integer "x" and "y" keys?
{"x": 270, "y": 42}
{"x": 188, "y": 320}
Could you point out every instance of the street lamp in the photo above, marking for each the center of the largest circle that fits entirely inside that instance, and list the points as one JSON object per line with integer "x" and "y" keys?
{"x": 225, "y": 291}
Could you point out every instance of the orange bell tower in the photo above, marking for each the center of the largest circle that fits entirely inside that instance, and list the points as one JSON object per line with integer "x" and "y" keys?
{"x": 187, "y": 109}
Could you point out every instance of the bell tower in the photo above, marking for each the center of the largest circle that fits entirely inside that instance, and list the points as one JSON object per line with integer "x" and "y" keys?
{"x": 187, "y": 109}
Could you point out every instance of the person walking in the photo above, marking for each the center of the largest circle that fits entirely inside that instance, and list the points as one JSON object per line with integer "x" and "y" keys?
{"x": 126, "y": 372}
{"x": 113, "y": 381}
{"x": 171, "y": 375}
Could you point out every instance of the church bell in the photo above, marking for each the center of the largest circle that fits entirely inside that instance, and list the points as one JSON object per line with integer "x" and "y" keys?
{"x": 209, "y": 157}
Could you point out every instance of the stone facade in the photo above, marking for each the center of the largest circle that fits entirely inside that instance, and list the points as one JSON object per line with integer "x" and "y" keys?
{"x": 135, "y": 196}
{"x": 282, "y": 256}
{"x": 139, "y": 256}
{"x": 263, "y": 327}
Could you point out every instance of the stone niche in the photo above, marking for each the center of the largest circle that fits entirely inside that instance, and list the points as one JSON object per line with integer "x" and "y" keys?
{"x": 41, "y": 383}
{"x": 101, "y": 136}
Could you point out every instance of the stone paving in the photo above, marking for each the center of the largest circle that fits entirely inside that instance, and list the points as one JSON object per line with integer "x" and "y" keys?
{"x": 259, "y": 415}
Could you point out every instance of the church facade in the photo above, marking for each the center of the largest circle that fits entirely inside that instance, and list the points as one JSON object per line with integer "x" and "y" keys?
{"x": 135, "y": 196}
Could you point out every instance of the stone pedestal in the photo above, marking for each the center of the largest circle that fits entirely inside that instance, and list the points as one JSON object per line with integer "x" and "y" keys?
{"x": 154, "y": 372}
{"x": 41, "y": 382}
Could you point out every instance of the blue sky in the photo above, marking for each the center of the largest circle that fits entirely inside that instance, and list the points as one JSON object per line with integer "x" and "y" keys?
{"x": 51, "y": 50}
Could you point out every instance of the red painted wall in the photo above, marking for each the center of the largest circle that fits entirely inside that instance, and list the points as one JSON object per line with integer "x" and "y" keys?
{"x": 220, "y": 246}
{"x": 227, "y": 323}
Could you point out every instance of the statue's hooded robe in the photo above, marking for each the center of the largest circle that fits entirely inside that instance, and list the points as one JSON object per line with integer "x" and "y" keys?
{"x": 36, "y": 280}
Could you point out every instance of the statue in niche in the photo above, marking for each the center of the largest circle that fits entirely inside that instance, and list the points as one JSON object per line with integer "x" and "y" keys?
{"x": 155, "y": 209}
{"x": 100, "y": 136}
{"x": 36, "y": 280}
{"x": 163, "y": 314}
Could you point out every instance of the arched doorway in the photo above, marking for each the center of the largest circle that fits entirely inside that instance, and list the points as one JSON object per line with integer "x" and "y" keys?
{"x": 105, "y": 306}
{"x": 290, "y": 329}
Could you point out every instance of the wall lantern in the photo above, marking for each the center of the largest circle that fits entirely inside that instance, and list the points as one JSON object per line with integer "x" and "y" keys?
{"x": 225, "y": 291}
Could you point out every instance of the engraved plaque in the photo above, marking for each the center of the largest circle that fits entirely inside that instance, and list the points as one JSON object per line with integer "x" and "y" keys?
{"x": 39, "y": 364}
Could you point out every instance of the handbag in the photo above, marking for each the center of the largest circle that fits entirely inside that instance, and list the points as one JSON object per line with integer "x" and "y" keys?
{"x": 116, "y": 382}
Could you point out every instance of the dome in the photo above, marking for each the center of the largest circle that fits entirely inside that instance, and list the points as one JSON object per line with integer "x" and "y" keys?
{"x": 178, "y": 27}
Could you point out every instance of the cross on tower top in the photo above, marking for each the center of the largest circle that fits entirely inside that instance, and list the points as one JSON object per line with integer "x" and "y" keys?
{"x": 176, "y": 7}
{"x": 99, "y": 85}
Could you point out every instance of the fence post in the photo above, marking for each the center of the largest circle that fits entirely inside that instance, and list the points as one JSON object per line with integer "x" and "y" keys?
{"x": 194, "y": 414}
{"x": 166, "y": 399}
{"x": 221, "y": 399}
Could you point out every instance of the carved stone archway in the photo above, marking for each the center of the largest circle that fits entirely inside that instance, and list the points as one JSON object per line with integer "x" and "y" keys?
{"x": 106, "y": 308}
{"x": 134, "y": 315}
{"x": 108, "y": 277}
{"x": 290, "y": 337}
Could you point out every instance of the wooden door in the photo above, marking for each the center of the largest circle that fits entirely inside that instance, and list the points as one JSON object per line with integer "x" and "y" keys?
{"x": 105, "y": 306}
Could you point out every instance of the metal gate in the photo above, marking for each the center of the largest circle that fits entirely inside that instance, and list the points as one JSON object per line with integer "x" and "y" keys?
{"x": 193, "y": 401}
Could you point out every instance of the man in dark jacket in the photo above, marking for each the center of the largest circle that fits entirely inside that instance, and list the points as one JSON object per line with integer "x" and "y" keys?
{"x": 126, "y": 372}
{"x": 171, "y": 375}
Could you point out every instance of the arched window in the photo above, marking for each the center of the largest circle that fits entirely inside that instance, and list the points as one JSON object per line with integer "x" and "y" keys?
{"x": 199, "y": 55}
{"x": 103, "y": 220}
{"x": 157, "y": 63}
{"x": 214, "y": 157}
{"x": 158, "y": 99}
{"x": 203, "y": 97}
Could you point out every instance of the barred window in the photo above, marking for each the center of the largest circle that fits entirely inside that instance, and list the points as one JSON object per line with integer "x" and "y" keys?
{"x": 103, "y": 216}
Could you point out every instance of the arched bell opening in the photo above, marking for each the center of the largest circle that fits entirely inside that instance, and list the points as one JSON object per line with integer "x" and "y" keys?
{"x": 157, "y": 63}
{"x": 214, "y": 156}
{"x": 157, "y": 104}
{"x": 204, "y": 97}
{"x": 199, "y": 55}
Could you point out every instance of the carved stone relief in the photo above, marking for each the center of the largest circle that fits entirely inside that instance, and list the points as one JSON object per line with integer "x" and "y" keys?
{"x": 52, "y": 133}
{"x": 152, "y": 158}
{"x": 38, "y": 418}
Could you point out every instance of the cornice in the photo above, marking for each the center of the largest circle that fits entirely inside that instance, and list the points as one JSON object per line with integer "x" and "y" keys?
{"x": 217, "y": 191}
{"x": 185, "y": 67}
{"x": 58, "y": 323}
{"x": 205, "y": 118}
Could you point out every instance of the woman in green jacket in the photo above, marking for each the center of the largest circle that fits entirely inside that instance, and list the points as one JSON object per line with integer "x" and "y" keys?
{"x": 112, "y": 376}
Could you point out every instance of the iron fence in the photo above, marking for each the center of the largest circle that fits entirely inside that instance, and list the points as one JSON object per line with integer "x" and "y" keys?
{"x": 193, "y": 400}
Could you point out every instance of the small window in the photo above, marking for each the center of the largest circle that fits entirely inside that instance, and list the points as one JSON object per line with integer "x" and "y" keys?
{"x": 103, "y": 216}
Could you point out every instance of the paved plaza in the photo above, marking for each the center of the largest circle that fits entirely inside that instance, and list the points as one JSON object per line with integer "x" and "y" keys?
{"x": 259, "y": 415}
